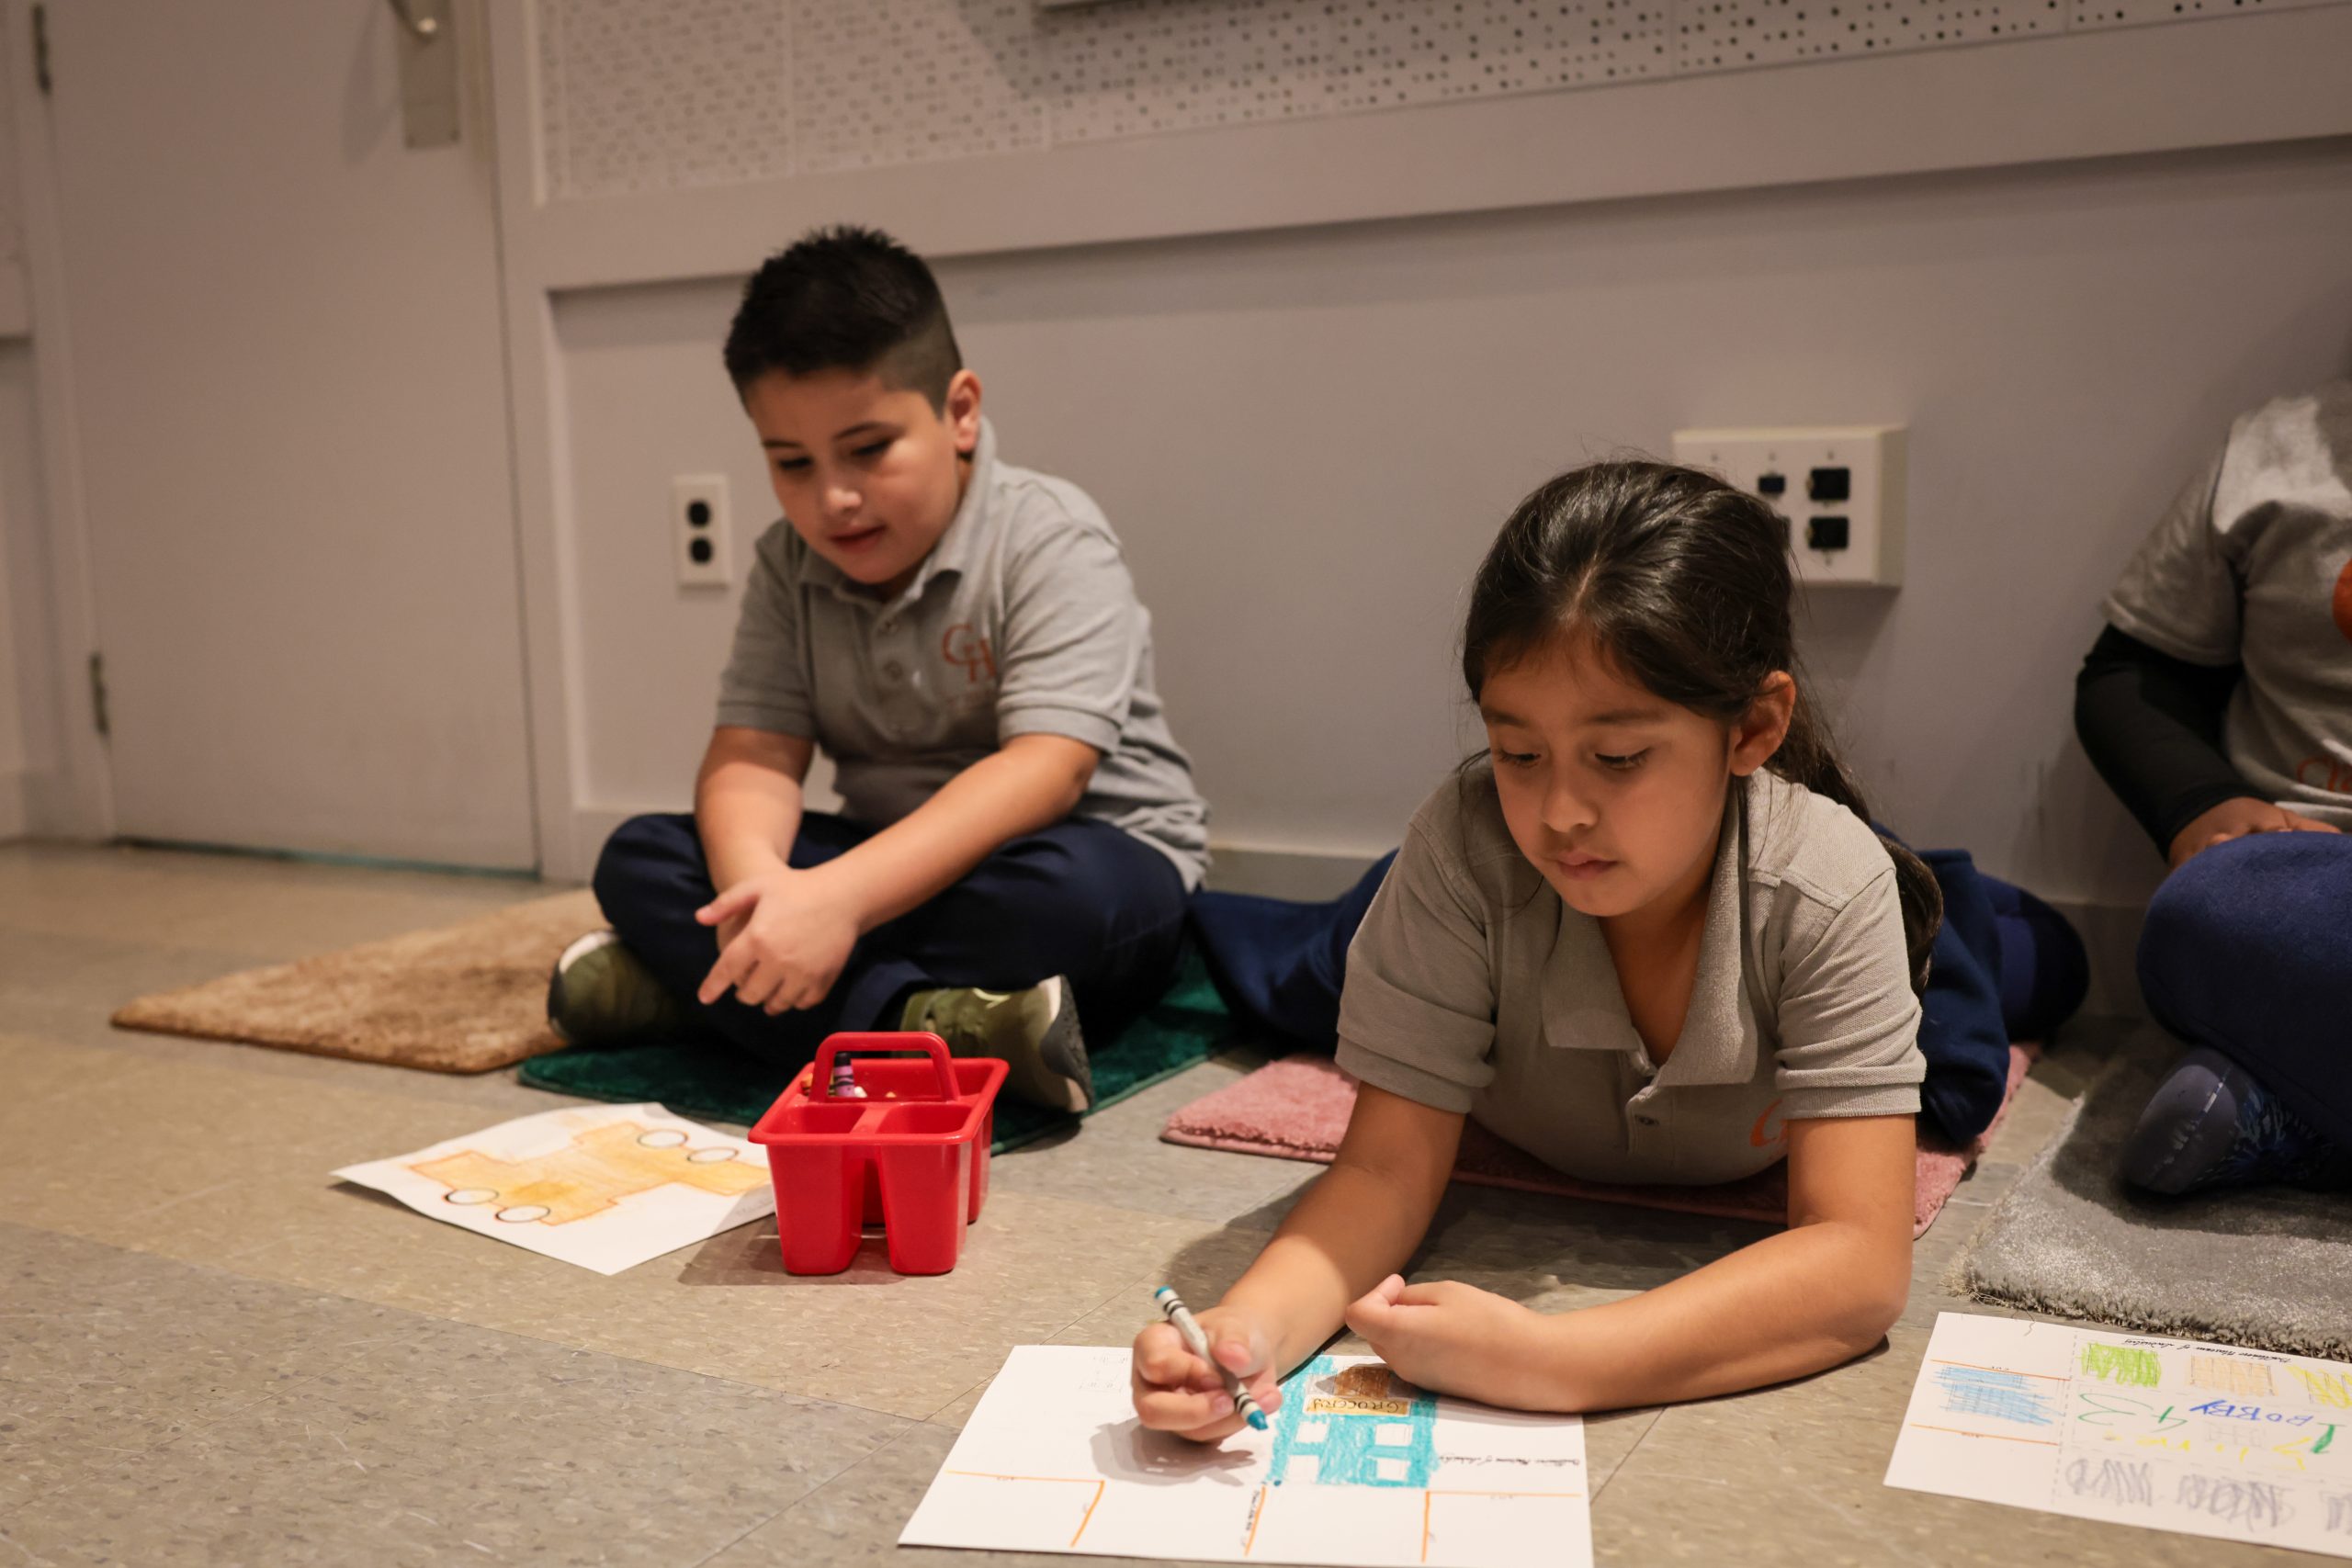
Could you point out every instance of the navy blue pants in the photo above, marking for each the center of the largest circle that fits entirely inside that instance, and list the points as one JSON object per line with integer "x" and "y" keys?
{"x": 1081, "y": 899}
{"x": 2248, "y": 949}
{"x": 2005, "y": 966}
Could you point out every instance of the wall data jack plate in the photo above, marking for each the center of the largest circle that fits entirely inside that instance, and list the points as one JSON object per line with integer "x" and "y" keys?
{"x": 698, "y": 524}
{"x": 1841, "y": 488}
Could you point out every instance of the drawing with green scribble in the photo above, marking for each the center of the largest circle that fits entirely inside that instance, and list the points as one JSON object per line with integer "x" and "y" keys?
{"x": 2123, "y": 1364}
{"x": 2177, "y": 1434}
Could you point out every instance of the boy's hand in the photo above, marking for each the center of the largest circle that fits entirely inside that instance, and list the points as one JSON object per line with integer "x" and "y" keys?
{"x": 2237, "y": 818}
{"x": 1449, "y": 1337}
{"x": 1175, "y": 1390}
{"x": 792, "y": 934}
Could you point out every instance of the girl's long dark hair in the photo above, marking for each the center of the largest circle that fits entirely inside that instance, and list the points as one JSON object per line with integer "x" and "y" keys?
{"x": 1684, "y": 581}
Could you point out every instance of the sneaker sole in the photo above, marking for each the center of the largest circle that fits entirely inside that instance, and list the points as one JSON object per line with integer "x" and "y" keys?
{"x": 580, "y": 948}
{"x": 1062, "y": 1049}
{"x": 1050, "y": 1070}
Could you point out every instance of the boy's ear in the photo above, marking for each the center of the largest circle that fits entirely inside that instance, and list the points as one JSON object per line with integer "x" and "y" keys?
{"x": 1761, "y": 729}
{"x": 963, "y": 413}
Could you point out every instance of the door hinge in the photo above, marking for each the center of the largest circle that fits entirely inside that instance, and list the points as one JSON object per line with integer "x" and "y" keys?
{"x": 40, "y": 48}
{"x": 98, "y": 694}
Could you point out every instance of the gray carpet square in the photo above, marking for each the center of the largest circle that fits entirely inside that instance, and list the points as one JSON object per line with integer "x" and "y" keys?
{"x": 2270, "y": 1267}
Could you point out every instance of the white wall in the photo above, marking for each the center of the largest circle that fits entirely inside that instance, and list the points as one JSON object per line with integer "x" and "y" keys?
{"x": 1306, "y": 439}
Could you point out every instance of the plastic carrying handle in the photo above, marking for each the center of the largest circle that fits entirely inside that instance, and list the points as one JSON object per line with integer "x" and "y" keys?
{"x": 878, "y": 1042}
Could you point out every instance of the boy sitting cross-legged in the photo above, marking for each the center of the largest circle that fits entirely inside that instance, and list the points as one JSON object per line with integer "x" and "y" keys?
{"x": 962, "y": 637}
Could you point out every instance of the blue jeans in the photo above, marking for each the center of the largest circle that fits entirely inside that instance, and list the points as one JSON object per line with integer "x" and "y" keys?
{"x": 2248, "y": 949}
{"x": 1080, "y": 900}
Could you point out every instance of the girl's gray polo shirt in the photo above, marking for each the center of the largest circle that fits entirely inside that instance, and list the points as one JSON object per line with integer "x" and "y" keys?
{"x": 1023, "y": 620}
{"x": 1472, "y": 986}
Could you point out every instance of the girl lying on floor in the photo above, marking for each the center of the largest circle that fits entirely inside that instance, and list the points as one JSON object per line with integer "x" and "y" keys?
{"x": 1650, "y": 937}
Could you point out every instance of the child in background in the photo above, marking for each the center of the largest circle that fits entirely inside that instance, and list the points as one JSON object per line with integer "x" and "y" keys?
{"x": 2218, "y": 704}
{"x": 1652, "y": 937}
{"x": 963, "y": 639}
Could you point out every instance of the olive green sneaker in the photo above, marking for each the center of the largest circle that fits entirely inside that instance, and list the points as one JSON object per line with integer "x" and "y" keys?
{"x": 1035, "y": 1029}
{"x": 602, "y": 994}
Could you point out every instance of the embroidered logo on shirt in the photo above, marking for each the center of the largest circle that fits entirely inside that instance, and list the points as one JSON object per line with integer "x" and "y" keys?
{"x": 961, "y": 644}
{"x": 2325, "y": 772}
{"x": 1768, "y": 1129}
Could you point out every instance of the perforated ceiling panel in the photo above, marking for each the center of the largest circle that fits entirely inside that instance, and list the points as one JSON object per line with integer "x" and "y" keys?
{"x": 654, "y": 94}
{"x": 645, "y": 95}
{"x": 1162, "y": 66}
{"x": 1725, "y": 35}
{"x": 879, "y": 82}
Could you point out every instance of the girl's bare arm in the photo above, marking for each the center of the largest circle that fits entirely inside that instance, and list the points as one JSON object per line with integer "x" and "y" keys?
{"x": 1819, "y": 1293}
{"x": 1355, "y": 1226}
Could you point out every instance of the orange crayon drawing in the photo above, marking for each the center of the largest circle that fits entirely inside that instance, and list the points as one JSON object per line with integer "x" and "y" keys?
{"x": 593, "y": 1173}
{"x": 2227, "y": 1374}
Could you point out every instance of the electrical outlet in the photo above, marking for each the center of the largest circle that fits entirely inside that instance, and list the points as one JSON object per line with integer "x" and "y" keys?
{"x": 699, "y": 520}
{"x": 1841, "y": 488}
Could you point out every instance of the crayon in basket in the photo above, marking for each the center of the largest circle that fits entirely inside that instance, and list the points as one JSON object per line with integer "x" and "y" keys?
{"x": 844, "y": 1084}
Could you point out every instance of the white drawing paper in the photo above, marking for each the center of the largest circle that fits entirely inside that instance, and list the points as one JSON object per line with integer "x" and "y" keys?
{"x": 1356, "y": 1468}
{"x": 606, "y": 1187}
{"x": 2169, "y": 1434}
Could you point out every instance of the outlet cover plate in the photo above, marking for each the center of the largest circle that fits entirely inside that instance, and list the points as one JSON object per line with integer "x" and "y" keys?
{"x": 1874, "y": 458}
{"x": 710, "y": 491}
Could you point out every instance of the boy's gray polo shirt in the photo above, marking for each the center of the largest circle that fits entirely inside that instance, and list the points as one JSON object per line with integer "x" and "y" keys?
{"x": 2253, "y": 567}
{"x": 1472, "y": 986}
{"x": 1023, "y": 620}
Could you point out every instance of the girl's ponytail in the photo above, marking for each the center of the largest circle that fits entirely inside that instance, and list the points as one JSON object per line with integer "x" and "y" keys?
{"x": 1806, "y": 758}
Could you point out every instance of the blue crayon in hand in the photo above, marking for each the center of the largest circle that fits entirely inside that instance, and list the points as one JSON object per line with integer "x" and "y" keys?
{"x": 1198, "y": 1343}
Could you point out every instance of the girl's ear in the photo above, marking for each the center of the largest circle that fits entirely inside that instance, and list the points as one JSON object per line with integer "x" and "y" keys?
{"x": 963, "y": 413}
{"x": 1761, "y": 729}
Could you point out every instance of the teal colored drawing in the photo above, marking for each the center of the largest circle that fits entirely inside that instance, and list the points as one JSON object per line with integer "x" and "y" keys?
{"x": 2122, "y": 1364}
{"x": 1361, "y": 1426}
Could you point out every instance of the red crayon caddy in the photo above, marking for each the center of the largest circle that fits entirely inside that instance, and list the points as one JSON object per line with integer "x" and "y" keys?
{"x": 912, "y": 1156}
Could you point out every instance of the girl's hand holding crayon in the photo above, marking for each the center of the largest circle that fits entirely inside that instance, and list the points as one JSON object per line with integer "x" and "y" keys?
{"x": 1175, "y": 1390}
{"x": 1449, "y": 1337}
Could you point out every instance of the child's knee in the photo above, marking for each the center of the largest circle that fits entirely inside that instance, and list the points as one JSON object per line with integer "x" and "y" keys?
{"x": 644, "y": 857}
{"x": 2229, "y": 918}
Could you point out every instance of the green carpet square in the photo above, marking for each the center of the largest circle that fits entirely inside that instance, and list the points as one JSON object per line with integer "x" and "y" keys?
{"x": 718, "y": 1084}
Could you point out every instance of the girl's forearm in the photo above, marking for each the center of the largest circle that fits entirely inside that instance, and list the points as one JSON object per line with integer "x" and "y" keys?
{"x": 1786, "y": 1306}
{"x": 1352, "y": 1229}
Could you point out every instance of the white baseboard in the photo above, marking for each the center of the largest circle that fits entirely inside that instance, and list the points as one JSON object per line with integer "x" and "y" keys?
{"x": 16, "y": 805}
{"x": 1308, "y": 875}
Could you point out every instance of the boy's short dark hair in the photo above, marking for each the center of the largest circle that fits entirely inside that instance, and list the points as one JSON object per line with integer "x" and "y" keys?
{"x": 845, "y": 299}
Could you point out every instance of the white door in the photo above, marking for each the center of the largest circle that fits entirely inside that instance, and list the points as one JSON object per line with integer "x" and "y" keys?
{"x": 284, "y": 340}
